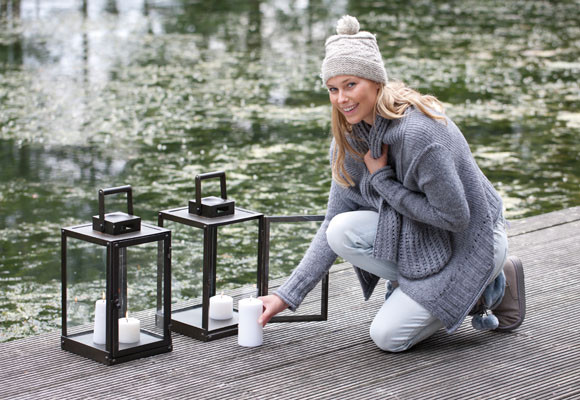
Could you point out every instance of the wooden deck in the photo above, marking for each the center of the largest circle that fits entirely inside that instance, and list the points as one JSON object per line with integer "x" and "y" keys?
{"x": 337, "y": 360}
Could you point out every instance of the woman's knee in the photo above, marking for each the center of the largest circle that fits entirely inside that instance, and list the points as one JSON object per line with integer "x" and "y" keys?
{"x": 351, "y": 230}
{"x": 388, "y": 339}
{"x": 337, "y": 233}
{"x": 401, "y": 323}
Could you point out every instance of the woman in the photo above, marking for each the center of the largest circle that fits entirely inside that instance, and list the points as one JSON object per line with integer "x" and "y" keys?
{"x": 408, "y": 204}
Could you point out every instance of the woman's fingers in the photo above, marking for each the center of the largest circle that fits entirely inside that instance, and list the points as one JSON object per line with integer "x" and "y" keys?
{"x": 272, "y": 306}
{"x": 374, "y": 164}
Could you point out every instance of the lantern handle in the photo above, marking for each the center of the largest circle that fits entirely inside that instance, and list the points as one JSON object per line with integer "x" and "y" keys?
{"x": 119, "y": 189}
{"x": 209, "y": 175}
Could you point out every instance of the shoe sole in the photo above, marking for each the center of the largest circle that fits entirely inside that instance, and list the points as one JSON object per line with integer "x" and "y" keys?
{"x": 519, "y": 270}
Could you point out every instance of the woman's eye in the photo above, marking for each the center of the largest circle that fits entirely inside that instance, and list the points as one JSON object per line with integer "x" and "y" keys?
{"x": 332, "y": 90}
{"x": 351, "y": 84}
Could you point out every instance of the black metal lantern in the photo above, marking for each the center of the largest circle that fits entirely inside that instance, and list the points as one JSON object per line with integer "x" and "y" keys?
{"x": 128, "y": 263}
{"x": 209, "y": 213}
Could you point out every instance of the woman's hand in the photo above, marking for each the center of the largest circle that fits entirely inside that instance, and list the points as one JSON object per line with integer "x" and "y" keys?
{"x": 374, "y": 164}
{"x": 272, "y": 306}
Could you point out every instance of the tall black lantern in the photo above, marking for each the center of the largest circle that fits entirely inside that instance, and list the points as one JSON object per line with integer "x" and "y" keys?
{"x": 112, "y": 271}
{"x": 208, "y": 214}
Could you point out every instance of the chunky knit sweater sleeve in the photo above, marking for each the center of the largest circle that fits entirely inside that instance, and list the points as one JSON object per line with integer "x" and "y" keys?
{"x": 319, "y": 257}
{"x": 439, "y": 200}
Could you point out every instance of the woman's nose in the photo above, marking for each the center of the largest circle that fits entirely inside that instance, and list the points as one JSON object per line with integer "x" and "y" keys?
{"x": 342, "y": 98}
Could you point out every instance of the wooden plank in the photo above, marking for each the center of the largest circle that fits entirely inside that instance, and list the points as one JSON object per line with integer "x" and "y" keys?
{"x": 539, "y": 222}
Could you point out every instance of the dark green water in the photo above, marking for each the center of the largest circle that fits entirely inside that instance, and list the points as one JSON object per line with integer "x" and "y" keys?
{"x": 151, "y": 93}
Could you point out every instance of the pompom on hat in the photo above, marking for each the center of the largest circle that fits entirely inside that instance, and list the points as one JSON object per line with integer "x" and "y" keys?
{"x": 352, "y": 52}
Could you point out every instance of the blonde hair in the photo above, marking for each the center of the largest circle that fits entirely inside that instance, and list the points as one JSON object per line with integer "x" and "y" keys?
{"x": 393, "y": 99}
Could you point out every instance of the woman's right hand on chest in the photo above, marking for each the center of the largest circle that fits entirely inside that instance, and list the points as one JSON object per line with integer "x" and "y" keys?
{"x": 374, "y": 164}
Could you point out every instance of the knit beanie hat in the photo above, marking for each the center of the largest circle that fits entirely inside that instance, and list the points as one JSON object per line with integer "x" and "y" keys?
{"x": 351, "y": 52}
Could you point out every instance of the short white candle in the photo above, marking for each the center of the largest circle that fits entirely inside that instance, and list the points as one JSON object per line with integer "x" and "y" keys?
{"x": 250, "y": 332}
{"x": 221, "y": 307}
{"x": 129, "y": 330}
{"x": 99, "y": 332}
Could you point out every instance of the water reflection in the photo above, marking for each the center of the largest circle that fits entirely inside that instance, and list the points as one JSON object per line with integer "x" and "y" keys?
{"x": 10, "y": 9}
{"x": 100, "y": 93}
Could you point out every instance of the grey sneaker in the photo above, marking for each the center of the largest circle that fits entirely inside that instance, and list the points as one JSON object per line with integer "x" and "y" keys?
{"x": 511, "y": 311}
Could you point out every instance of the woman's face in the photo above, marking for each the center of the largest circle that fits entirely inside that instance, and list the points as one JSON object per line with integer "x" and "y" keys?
{"x": 354, "y": 97}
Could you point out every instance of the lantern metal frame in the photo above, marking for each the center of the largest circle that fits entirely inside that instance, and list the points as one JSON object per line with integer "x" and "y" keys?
{"x": 113, "y": 352}
{"x": 209, "y": 213}
{"x": 283, "y": 219}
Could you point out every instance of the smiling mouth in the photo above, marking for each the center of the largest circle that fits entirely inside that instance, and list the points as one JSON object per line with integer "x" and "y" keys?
{"x": 349, "y": 109}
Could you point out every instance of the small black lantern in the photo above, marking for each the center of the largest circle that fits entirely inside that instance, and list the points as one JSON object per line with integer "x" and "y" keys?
{"x": 209, "y": 213}
{"x": 127, "y": 261}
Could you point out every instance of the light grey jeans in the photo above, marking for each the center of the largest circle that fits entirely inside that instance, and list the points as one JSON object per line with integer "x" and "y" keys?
{"x": 401, "y": 322}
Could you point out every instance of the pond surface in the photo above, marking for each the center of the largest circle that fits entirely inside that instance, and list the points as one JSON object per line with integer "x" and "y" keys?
{"x": 151, "y": 93}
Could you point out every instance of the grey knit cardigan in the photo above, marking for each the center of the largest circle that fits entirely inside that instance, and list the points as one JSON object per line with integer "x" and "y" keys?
{"x": 436, "y": 210}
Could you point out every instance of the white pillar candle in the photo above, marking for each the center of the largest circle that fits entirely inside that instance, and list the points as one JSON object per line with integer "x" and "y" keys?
{"x": 129, "y": 330}
{"x": 99, "y": 329}
{"x": 221, "y": 307}
{"x": 250, "y": 332}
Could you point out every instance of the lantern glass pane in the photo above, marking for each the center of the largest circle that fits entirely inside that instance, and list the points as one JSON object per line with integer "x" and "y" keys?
{"x": 288, "y": 244}
{"x": 186, "y": 264}
{"x": 141, "y": 276}
{"x": 86, "y": 283}
{"x": 237, "y": 259}
{"x": 236, "y": 262}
